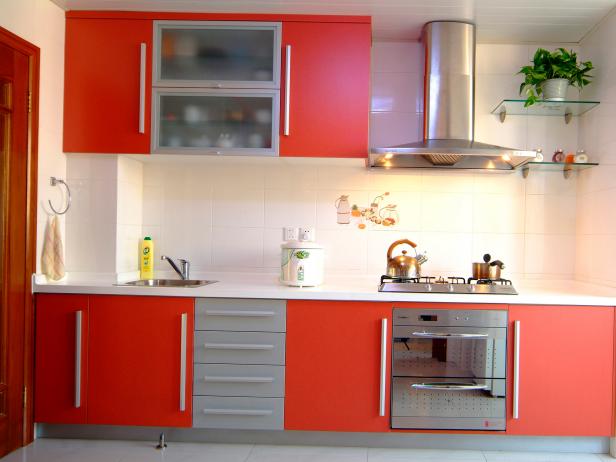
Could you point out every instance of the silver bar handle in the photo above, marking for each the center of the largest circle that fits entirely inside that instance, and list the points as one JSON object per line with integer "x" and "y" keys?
{"x": 516, "y": 370}
{"x": 438, "y": 335}
{"x": 287, "y": 91}
{"x": 383, "y": 377}
{"x": 448, "y": 386}
{"x": 184, "y": 328}
{"x": 238, "y": 346}
{"x": 78, "y": 335}
{"x": 247, "y": 412}
{"x": 142, "y": 65}
{"x": 229, "y": 379}
{"x": 243, "y": 313}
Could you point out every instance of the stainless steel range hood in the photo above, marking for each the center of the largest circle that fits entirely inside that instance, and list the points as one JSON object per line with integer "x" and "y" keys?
{"x": 449, "y": 110}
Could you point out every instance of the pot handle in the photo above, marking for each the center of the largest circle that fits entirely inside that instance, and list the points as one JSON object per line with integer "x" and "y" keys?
{"x": 400, "y": 242}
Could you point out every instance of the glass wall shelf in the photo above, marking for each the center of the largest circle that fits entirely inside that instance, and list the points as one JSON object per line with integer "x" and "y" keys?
{"x": 566, "y": 109}
{"x": 566, "y": 167}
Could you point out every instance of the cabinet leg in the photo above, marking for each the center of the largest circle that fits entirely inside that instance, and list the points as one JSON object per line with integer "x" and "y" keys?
{"x": 613, "y": 447}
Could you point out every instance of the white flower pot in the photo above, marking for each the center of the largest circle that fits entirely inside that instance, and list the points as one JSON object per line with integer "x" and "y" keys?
{"x": 555, "y": 89}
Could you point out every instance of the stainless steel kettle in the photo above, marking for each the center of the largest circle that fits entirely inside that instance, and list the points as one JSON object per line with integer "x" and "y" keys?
{"x": 404, "y": 266}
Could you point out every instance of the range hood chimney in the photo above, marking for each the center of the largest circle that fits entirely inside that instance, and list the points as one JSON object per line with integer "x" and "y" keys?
{"x": 449, "y": 110}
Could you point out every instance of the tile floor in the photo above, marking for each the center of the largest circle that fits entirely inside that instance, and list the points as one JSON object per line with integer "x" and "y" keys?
{"x": 56, "y": 450}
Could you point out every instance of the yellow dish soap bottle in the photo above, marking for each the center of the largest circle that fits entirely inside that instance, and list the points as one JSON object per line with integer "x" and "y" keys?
{"x": 146, "y": 260}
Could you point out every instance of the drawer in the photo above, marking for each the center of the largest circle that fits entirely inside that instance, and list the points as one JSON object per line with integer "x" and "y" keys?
{"x": 243, "y": 315}
{"x": 239, "y": 380}
{"x": 241, "y": 413}
{"x": 239, "y": 347}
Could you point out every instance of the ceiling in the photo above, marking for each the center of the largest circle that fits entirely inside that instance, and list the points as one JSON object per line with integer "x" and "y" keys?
{"x": 497, "y": 20}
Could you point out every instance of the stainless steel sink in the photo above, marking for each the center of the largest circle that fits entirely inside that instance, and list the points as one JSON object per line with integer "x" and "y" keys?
{"x": 167, "y": 283}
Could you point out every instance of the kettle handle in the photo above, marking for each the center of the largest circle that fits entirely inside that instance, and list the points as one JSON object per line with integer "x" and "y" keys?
{"x": 400, "y": 242}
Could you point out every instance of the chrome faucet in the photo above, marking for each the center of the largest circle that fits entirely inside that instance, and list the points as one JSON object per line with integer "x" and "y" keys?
{"x": 184, "y": 272}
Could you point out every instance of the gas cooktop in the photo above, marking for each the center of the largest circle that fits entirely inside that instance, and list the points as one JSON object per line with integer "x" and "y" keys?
{"x": 450, "y": 285}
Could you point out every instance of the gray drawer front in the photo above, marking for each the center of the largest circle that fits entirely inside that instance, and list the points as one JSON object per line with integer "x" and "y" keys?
{"x": 241, "y": 413}
{"x": 239, "y": 380}
{"x": 239, "y": 348}
{"x": 241, "y": 315}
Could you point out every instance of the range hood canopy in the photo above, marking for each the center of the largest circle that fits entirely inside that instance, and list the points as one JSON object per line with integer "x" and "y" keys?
{"x": 449, "y": 110}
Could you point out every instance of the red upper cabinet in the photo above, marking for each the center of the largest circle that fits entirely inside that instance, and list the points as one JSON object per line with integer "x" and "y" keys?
{"x": 107, "y": 85}
{"x": 329, "y": 98}
{"x": 61, "y": 373}
{"x": 566, "y": 367}
{"x": 141, "y": 361}
{"x": 333, "y": 366}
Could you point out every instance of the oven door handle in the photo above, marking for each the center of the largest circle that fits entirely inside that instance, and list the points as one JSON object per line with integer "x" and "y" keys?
{"x": 449, "y": 335}
{"x": 448, "y": 386}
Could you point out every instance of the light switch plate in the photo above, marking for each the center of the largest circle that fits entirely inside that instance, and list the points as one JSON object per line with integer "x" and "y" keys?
{"x": 290, "y": 233}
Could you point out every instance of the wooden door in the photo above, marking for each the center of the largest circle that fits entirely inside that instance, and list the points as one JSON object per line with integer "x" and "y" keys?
{"x": 140, "y": 357}
{"x": 329, "y": 99}
{"x": 61, "y": 359}
{"x": 566, "y": 366}
{"x": 333, "y": 362}
{"x": 104, "y": 101}
{"x": 18, "y": 96}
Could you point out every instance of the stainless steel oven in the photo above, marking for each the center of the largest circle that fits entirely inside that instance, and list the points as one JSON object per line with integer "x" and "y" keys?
{"x": 449, "y": 369}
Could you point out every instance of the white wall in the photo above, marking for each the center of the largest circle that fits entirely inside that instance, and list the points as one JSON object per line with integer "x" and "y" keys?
{"x": 596, "y": 230}
{"x": 41, "y": 22}
{"x": 226, "y": 214}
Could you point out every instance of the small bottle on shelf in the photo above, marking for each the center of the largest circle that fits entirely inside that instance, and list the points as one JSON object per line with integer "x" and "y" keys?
{"x": 559, "y": 156}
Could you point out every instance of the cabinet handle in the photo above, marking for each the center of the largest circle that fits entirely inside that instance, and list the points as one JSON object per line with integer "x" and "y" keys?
{"x": 78, "y": 332}
{"x": 142, "y": 65}
{"x": 244, "y": 313}
{"x": 516, "y": 370}
{"x": 247, "y": 412}
{"x": 224, "y": 379}
{"x": 238, "y": 346}
{"x": 184, "y": 324}
{"x": 438, "y": 335}
{"x": 287, "y": 90}
{"x": 448, "y": 386}
{"x": 383, "y": 367}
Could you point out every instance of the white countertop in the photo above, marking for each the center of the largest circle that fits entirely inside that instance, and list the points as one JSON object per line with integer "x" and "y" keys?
{"x": 246, "y": 285}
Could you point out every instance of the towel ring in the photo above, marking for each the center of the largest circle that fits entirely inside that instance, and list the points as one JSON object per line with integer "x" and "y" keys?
{"x": 54, "y": 182}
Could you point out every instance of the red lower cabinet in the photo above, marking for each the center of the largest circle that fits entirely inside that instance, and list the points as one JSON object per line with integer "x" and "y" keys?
{"x": 140, "y": 354}
{"x": 566, "y": 368}
{"x": 61, "y": 367}
{"x": 333, "y": 366}
{"x": 133, "y": 365}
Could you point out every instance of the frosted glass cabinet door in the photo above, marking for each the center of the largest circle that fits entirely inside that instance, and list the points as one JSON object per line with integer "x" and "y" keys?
{"x": 217, "y": 54}
{"x": 193, "y": 121}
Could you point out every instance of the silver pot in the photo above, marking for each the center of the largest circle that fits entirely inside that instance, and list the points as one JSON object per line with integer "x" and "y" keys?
{"x": 555, "y": 89}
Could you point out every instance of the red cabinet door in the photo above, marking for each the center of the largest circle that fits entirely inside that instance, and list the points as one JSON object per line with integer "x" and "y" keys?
{"x": 333, "y": 366}
{"x": 60, "y": 375}
{"x": 102, "y": 99}
{"x": 140, "y": 367}
{"x": 329, "y": 97}
{"x": 566, "y": 366}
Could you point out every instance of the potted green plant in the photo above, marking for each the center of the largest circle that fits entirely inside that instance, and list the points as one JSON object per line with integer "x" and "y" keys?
{"x": 551, "y": 74}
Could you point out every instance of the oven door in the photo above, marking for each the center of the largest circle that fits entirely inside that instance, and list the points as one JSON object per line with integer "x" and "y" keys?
{"x": 448, "y": 404}
{"x": 449, "y": 352}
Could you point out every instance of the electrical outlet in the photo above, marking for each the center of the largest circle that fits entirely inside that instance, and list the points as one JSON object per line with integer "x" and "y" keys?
{"x": 289, "y": 233}
{"x": 306, "y": 234}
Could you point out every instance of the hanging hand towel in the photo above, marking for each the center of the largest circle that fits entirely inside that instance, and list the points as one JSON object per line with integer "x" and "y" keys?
{"x": 52, "y": 257}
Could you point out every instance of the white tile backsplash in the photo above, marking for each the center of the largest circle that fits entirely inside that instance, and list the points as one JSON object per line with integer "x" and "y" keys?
{"x": 596, "y": 188}
{"x": 227, "y": 214}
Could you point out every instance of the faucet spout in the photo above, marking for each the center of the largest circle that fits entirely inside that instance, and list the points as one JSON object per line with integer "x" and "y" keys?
{"x": 184, "y": 271}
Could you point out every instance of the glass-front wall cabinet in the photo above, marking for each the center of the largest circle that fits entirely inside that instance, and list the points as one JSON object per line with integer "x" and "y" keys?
{"x": 217, "y": 122}
{"x": 216, "y": 88}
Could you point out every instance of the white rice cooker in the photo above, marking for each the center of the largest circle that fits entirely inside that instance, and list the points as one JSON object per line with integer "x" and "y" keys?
{"x": 301, "y": 264}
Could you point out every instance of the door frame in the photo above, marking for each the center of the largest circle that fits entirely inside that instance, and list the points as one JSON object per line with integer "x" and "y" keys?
{"x": 33, "y": 53}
